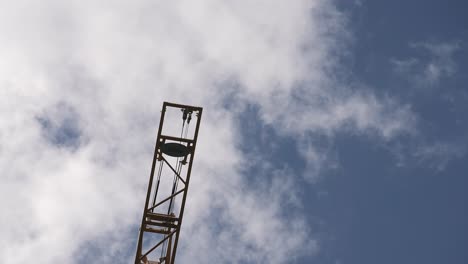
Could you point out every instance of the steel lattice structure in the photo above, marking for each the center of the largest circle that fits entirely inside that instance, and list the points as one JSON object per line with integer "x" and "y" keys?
{"x": 164, "y": 207}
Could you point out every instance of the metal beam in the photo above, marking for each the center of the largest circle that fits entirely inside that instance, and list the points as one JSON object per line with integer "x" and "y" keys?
{"x": 154, "y": 221}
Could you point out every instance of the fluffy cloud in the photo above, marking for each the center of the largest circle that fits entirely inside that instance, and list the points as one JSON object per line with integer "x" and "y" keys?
{"x": 82, "y": 84}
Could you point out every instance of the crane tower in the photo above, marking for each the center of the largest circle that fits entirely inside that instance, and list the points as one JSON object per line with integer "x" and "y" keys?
{"x": 168, "y": 184}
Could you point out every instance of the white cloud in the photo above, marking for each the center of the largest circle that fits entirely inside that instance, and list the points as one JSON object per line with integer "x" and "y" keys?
{"x": 111, "y": 64}
{"x": 438, "y": 155}
{"x": 429, "y": 70}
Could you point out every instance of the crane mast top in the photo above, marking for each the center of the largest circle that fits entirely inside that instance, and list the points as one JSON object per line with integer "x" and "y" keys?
{"x": 168, "y": 184}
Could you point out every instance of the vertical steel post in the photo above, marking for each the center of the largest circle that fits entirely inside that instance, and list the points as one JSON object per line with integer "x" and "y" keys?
{"x": 181, "y": 215}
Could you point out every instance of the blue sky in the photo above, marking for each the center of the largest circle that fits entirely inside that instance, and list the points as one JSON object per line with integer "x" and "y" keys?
{"x": 333, "y": 132}
{"x": 375, "y": 206}
{"x": 374, "y": 210}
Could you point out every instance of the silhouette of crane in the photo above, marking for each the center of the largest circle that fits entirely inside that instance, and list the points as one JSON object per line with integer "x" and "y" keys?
{"x": 167, "y": 192}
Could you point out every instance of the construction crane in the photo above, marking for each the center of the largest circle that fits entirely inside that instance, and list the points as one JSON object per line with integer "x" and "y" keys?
{"x": 167, "y": 192}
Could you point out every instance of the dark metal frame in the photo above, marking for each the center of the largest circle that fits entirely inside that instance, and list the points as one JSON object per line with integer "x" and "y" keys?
{"x": 165, "y": 224}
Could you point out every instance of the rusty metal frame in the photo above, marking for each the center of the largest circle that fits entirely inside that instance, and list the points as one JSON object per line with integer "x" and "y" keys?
{"x": 169, "y": 225}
